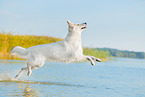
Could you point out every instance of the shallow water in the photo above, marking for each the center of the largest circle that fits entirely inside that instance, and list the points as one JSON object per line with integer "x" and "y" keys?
{"x": 117, "y": 78}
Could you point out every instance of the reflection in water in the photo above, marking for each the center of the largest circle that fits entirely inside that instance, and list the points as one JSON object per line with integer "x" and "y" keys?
{"x": 19, "y": 88}
{"x": 30, "y": 92}
{"x": 25, "y": 90}
{"x": 28, "y": 89}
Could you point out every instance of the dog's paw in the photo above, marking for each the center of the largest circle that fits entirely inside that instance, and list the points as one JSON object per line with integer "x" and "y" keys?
{"x": 98, "y": 60}
{"x": 93, "y": 63}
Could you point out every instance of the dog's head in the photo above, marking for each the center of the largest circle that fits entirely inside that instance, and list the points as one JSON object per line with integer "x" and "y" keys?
{"x": 76, "y": 27}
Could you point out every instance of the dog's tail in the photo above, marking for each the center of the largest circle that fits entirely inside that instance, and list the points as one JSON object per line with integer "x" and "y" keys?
{"x": 20, "y": 52}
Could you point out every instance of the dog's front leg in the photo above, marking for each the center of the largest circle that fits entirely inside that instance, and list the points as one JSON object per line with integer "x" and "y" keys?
{"x": 96, "y": 59}
{"x": 90, "y": 59}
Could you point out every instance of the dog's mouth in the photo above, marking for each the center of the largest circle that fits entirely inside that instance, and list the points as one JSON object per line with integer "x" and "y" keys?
{"x": 84, "y": 27}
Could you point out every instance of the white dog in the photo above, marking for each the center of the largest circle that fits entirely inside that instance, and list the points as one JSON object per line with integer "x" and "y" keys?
{"x": 68, "y": 50}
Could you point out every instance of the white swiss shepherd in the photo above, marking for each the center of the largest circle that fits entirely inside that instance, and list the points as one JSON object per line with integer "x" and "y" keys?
{"x": 68, "y": 50}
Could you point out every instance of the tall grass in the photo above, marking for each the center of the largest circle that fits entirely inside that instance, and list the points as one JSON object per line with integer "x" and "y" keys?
{"x": 8, "y": 41}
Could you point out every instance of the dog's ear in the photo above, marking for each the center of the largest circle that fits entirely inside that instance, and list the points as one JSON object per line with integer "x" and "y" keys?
{"x": 69, "y": 22}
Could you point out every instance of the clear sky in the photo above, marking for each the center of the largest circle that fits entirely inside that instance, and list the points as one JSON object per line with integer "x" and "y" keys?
{"x": 111, "y": 23}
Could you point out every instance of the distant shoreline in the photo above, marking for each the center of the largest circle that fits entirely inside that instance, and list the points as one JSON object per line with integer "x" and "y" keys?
{"x": 124, "y": 53}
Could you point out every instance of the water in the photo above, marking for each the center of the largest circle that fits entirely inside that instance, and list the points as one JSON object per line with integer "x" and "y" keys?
{"x": 117, "y": 78}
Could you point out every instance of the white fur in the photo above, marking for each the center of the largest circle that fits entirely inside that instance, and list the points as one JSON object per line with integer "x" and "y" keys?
{"x": 68, "y": 50}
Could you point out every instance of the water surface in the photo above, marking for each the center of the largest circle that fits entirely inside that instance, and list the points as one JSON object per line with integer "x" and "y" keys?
{"x": 117, "y": 78}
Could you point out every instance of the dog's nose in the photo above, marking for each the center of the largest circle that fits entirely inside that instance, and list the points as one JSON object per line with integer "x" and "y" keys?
{"x": 85, "y": 23}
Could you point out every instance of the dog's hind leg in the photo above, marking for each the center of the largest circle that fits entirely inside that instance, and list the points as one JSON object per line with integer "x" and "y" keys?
{"x": 21, "y": 71}
{"x": 37, "y": 66}
{"x": 29, "y": 69}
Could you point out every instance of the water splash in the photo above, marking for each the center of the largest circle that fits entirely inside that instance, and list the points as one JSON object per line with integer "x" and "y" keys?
{"x": 4, "y": 76}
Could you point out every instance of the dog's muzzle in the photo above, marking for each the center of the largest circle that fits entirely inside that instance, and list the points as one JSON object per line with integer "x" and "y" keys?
{"x": 84, "y": 27}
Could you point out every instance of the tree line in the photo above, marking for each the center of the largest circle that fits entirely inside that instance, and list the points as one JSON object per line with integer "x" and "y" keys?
{"x": 124, "y": 53}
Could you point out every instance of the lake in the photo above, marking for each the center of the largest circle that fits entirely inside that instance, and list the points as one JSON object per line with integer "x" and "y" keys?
{"x": 119, "y": 77}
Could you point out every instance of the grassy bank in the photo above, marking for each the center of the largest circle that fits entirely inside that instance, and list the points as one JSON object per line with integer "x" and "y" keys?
{"x": 97, "y": 53}
{"x": 8, "y": 41}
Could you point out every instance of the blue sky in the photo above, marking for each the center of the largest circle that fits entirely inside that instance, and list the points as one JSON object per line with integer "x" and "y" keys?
{"x": 111, "y": 23}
